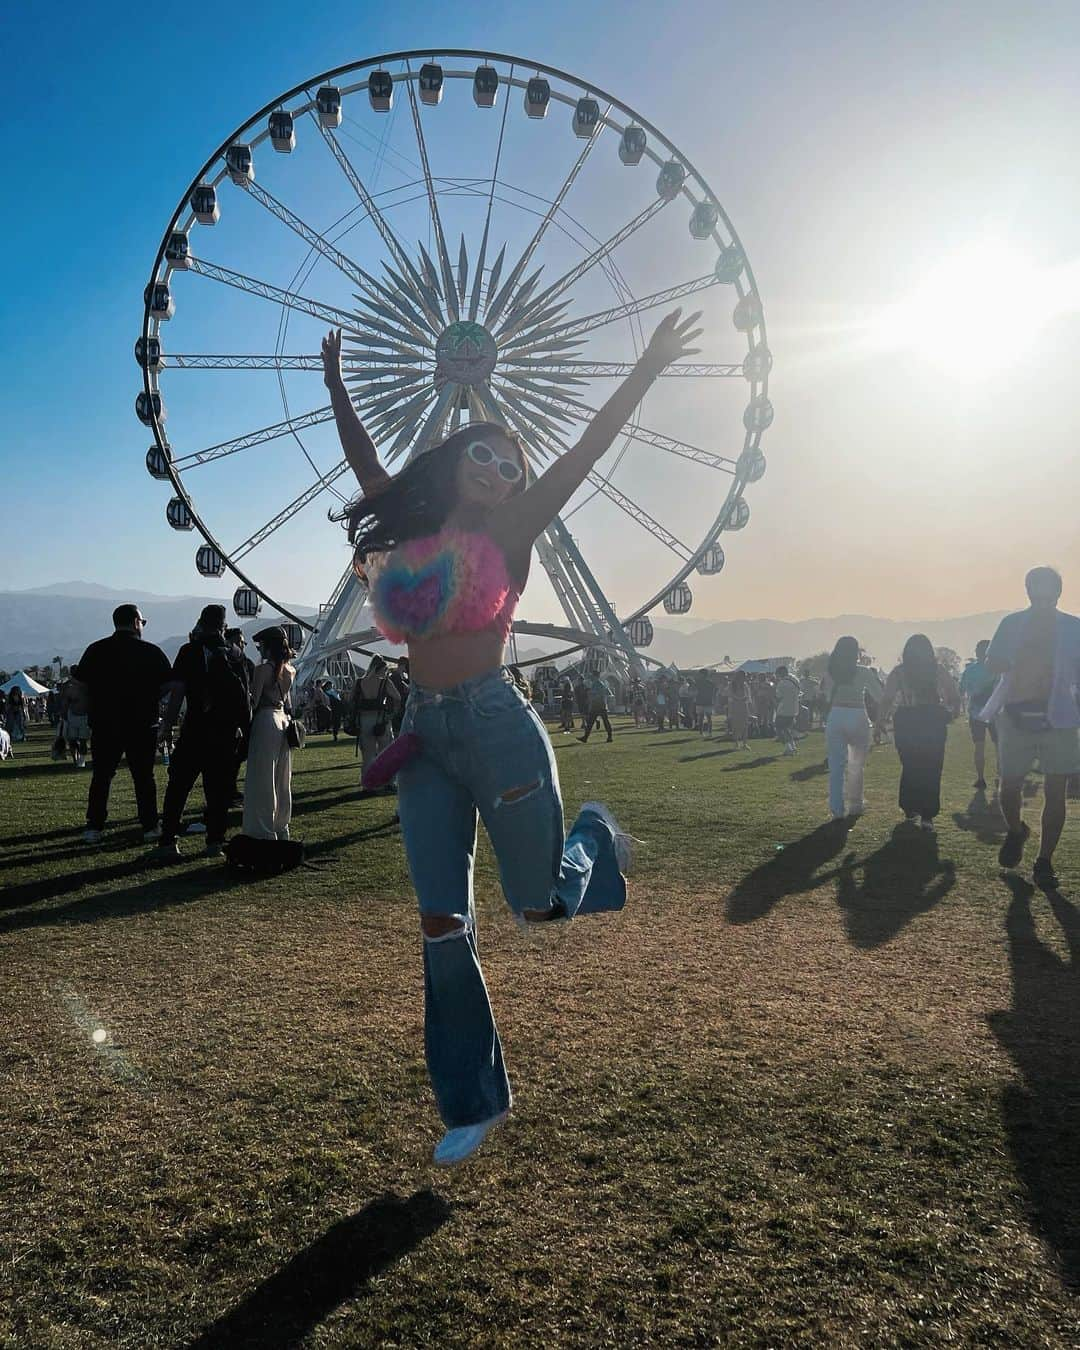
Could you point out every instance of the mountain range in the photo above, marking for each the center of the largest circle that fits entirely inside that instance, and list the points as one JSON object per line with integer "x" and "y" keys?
{"x": 62, "y": 619}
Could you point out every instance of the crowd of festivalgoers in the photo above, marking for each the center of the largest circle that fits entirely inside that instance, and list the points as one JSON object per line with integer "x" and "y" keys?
{"x": 212, "y": 709}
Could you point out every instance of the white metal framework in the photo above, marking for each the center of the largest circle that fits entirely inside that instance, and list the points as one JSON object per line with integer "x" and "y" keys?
{"x": 503, "y": 324}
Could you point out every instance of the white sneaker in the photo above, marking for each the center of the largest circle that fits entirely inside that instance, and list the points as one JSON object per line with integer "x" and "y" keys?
{"x": 149, "y": 836}
{"x": 457, "y": 1145}
{"x": 622, "y": 840}
{"x": 91, "y": 836}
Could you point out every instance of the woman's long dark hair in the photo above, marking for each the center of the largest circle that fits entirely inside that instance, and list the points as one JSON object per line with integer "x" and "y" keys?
{"x": 417, "y": 501}
{"x": 844, "y": 660}
{"x": 920, "y": 666}
{"x": 275, "y": 644}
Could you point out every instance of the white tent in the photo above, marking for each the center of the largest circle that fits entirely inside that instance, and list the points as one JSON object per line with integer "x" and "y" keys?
{"x": 20, "y": 680}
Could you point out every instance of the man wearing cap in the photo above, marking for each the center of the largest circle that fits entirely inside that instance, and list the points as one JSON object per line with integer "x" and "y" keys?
{"x": 124, "y": 675}
{"x": 216, "y": 720}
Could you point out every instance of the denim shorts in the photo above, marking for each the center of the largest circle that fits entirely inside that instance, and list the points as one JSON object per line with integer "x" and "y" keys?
{"x": 484, "y": 754}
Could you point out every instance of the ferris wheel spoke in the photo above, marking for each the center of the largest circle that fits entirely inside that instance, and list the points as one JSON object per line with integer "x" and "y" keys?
{"x": 260, "y": 437}
{"x": 543, "y": 410}
{"x": 530, "y": 388}
{"x": 638, "y": 306}
{"x": 681, "y": 448}
{"x": 586, "y": 264}
{"x": 619, "y": 370}
{"x": 394, "y": 324}
{"x": 402, "y": 416}
{"x": 338, "y": 318}
{"x": 400, "y": 305}
{"x": 424, "y": 428}
{"x": 377, "y": 218}
{"x": 498, "y": 304}
{"x": 311, "y": 236}
{"x": 433, "y": 205}
{"x": 225, "y": 361}
{"x": 287, "y": 513}
{"x": 478, "y": 275}
{"x": 640, "y": 515}
{"x": 398, "y": 338}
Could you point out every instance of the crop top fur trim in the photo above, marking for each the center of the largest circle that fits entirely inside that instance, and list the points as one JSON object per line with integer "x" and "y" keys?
{"x": 455, "y": 581}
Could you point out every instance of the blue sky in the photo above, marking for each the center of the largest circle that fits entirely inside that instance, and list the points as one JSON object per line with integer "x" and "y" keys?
{"x": 854, "y": 146}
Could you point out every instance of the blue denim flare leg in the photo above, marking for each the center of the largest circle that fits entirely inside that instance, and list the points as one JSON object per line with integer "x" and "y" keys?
{"x": 486, "y": 753}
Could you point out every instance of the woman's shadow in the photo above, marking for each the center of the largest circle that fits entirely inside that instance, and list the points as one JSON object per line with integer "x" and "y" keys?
{"x": 1041, "y": 1033}
{"x": 337, "y": 1267}
{"x": 905, "y": 877}
{"x": 791, "y": 872}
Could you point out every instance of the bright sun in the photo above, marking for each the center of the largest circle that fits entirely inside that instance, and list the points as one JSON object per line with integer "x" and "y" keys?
{"x": 977, "y": 311}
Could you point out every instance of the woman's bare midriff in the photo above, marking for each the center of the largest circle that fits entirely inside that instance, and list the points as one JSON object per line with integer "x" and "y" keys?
{"x": 452, "y": 658}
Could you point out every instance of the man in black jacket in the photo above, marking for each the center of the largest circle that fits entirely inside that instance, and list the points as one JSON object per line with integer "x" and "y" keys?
{"x": 216, "y": 720}
{"x": 124, "y": 674}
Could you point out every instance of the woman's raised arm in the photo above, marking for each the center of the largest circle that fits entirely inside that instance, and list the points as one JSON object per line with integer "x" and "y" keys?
{"x": 530, "y": 513}
{"x": 358, "y": 446}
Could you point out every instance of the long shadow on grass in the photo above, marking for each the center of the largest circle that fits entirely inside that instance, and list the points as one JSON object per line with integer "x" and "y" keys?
{"x": 759, "y": 762}
{"x": 1042, "y": 1034}
{"x": 901, "y": 879}
{"x": 791, "y": 872}
{"x": 981, "y": 819}
{"x": 290, "y": 1304}
{"x": 163, "y": 889}
{"x": 810, "y": 771}
{"x": 706, "y": 754}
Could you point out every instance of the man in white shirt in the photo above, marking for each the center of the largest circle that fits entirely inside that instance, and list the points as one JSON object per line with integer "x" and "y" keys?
{"x": 1037, "y": 651}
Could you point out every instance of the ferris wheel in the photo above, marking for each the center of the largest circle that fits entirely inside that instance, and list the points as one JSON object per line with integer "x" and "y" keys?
{"x": 495, "y": 237}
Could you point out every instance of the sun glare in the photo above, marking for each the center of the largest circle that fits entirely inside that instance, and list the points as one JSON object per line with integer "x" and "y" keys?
{"x": 977, "y": 311}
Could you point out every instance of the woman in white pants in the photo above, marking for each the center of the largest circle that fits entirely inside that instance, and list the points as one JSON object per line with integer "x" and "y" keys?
{"x": 268, "y": 779}
{"x": 847, "y": 728}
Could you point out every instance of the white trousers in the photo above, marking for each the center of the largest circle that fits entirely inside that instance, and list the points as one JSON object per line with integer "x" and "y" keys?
{"x": 268, "y": 778}
{"x": 847, "y": 738}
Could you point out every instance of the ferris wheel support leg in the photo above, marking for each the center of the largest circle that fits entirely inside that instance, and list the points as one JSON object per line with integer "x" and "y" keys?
{"x": 344, "y": 607}
{"x": 598, "y": 602}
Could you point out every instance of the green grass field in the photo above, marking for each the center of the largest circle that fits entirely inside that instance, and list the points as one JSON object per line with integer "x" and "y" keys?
{"x": 804, "y": 1090}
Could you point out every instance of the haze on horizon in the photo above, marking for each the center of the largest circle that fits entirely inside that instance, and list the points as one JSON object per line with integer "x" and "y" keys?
{"x": 900, "y": 180}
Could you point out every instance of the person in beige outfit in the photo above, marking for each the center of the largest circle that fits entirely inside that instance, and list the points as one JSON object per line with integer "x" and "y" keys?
{"x": 268, "y": 781}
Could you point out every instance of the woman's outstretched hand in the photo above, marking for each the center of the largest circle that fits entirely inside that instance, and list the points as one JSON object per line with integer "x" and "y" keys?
{"x": 669, "y": 342}
{"x": 331, "y": 358}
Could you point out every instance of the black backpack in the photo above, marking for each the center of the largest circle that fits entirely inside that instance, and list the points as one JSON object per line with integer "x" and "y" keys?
{"x": 263, "y": 857}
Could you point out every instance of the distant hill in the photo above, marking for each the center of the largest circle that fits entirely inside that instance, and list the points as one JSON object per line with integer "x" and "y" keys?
{"x": 745, "y": 639}
{"x": 62, "y": 619}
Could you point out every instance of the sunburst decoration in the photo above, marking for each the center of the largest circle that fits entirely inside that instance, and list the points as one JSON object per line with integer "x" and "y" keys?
{"x": 432, "y": 345}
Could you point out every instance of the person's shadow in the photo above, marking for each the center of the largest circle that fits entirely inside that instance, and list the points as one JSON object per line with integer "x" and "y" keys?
{"x": 790, "y": 872}
{"x": 903, "y": 878}
{"x": 982, "y": 819}
{"x": 292, "y": 1302}
{"x": 1041, "y": 1033}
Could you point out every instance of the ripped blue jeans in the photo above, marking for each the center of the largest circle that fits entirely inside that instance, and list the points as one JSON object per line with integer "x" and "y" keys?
{"x": 485, "y": 752}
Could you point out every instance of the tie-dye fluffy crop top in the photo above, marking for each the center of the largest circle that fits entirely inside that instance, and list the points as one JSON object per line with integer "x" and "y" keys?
{"x": 455, "y": 581}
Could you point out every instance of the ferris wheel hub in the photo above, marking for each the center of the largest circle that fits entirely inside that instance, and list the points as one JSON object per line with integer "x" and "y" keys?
{"x": 465, "y": 353}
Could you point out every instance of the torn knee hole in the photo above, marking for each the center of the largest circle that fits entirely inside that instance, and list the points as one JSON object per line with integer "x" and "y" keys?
{"x": 519, "y": 793}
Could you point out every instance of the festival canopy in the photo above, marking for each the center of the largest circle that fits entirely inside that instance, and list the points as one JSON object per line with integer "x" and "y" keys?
{"x": 20, "y": 680}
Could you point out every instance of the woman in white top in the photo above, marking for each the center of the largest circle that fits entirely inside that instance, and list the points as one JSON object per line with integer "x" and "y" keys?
{"x": 847, "y": 728}
{"x": 268, "y": 781}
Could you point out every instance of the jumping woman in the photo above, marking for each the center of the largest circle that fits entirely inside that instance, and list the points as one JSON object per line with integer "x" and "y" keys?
{"x": 445, "y": 547}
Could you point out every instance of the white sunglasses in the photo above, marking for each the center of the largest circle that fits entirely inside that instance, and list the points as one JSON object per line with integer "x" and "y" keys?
{"x": 481, "y": 453}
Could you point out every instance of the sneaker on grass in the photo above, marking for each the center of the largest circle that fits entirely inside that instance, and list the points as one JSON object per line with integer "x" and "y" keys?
{"x": 457, "y": 1145}
{"x": 1012, "y": 850}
